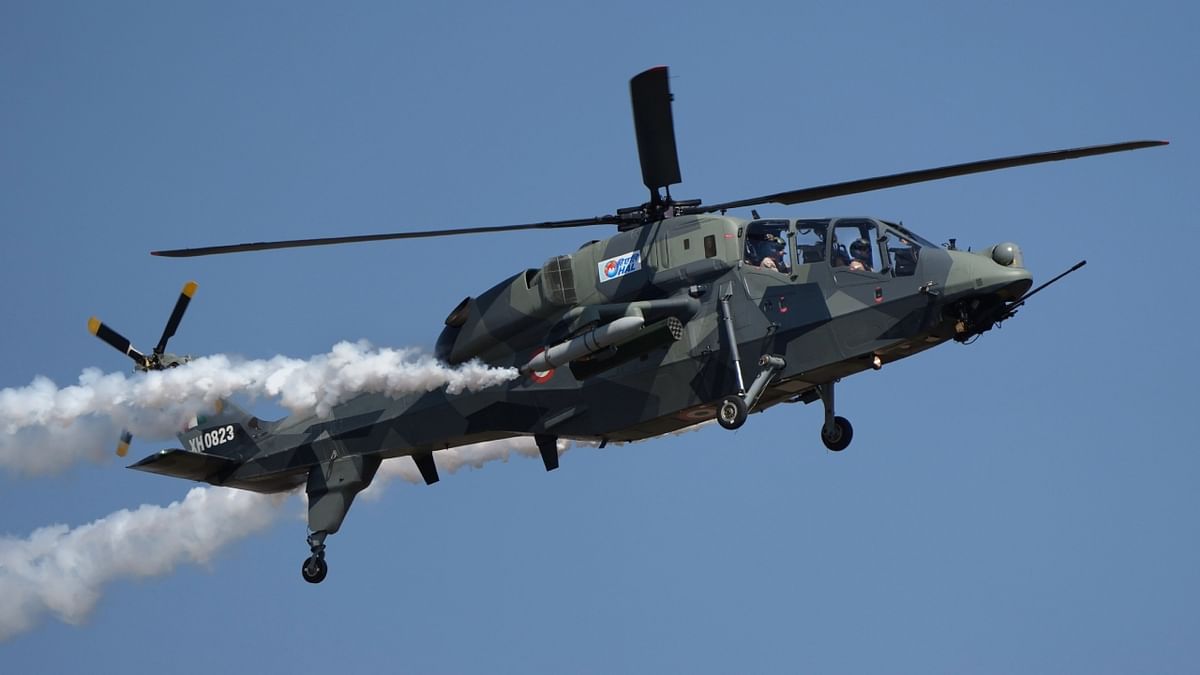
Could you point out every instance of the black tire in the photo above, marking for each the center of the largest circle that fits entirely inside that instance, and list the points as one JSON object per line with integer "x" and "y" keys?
{"x": 732, "y": 412}
{"x": 319, "y": 575}
{"x": 840, "y": 440}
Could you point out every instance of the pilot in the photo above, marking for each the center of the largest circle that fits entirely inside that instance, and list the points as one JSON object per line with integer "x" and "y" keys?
{"x": 766, "y": 251}
{"x": 860, "y": 254}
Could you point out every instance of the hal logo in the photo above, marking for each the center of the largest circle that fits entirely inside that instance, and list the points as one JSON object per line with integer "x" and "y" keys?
{"x": 619, "y": 266}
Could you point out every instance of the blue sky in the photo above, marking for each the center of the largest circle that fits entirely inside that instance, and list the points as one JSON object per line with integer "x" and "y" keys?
{"x": 1027, "y": 503}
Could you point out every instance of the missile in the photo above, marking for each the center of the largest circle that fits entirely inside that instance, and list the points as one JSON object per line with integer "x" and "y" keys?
{"x": 589, "y": 343}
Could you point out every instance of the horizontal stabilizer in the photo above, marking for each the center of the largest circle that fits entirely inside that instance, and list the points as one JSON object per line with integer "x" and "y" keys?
{"x": 426, "y": 466}
{"x": 195, "y": 466}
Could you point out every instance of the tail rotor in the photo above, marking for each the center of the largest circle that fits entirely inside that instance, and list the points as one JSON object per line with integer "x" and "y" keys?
{"x": 158, "y": 359}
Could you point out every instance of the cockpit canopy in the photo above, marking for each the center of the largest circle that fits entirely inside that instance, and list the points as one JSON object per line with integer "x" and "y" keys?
{"x": 859, "y": 244}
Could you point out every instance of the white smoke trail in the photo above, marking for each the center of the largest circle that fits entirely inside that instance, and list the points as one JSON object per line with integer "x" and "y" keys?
{"x": 61, "y": 571}
{"x": 44, "y": 428}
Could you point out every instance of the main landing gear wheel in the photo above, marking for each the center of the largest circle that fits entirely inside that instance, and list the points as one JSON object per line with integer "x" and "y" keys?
{"x": 314, "y": 570}
{"x": 842, "y": 434}
{"x": 732, "y": 412}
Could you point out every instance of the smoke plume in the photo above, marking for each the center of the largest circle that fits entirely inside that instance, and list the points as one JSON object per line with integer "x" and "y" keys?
{"x": 62, "y": 571}
{"x": 45, "y": 428}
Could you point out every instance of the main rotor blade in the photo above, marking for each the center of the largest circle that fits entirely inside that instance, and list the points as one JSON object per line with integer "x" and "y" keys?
{"x": 185, "y": 296}
{"x": 120, "y": 342}
{"x": 655, "y": 128}
{"x": 325, "y": 241}
{"x": 813, "y": 194}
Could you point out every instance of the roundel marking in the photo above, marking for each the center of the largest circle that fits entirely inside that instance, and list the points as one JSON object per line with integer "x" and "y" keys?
{"x": 541, "y": 376}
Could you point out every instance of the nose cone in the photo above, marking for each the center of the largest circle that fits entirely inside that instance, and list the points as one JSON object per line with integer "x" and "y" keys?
{"x": 972, "y": 273}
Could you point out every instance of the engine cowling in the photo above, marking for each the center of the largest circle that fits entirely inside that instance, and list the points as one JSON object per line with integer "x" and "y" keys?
{"x": 509, "y": 308}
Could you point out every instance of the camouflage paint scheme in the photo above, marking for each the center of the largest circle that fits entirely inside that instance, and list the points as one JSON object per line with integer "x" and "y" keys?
{"x": 671, "y": 322}
{"x": 825, "y": 323}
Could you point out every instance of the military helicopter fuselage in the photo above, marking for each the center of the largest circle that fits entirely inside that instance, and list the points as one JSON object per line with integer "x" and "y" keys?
{"x": 685, "y": 315}
{"x": 687, "y": 287}
{"x": 655, "y": 330}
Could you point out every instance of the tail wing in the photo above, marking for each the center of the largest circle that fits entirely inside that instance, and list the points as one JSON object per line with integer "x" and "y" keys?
{"x": 213, "y": 446}
{"x": 230, "y": 432}
{"x": 191, "y": 465}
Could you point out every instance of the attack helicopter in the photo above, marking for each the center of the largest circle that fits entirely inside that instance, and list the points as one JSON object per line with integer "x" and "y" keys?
{"x": 686, "y": 314}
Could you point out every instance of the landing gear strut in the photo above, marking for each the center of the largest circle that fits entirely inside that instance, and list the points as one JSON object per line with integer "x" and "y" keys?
{"x": 331, "y": 488}
{"x": 734, "y": 409}
{"x": 314, "y": 568}
{"x": 836, "y": 433}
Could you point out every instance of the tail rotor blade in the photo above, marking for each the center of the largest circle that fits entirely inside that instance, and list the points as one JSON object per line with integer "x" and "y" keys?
{"x": 181, "y": 305}
{"x": 123, "y": 444}
{"x": 118, "y": 341}
{"x": 655, "y": 129}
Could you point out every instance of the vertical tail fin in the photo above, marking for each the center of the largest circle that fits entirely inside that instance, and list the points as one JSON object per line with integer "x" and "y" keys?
{"x": 229, "y": 432}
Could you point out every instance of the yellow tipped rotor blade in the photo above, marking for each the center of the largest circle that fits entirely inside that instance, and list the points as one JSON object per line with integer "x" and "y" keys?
{"x": 123, "y": 444}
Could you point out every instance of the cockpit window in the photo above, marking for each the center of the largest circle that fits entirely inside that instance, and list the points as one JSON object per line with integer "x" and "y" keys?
{"x": 854, "y": 245}
{"x": 903, "y": 251}
{"x": 909, "y": 234}
{"x": 810, "y": 241}
{"x": 766, "y": 245}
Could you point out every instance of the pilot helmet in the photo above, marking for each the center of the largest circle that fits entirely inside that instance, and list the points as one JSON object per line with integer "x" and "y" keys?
{"x": 860, "y": 249}
{"x": 764, "y": 245}
{"x": 771, "y": 246}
